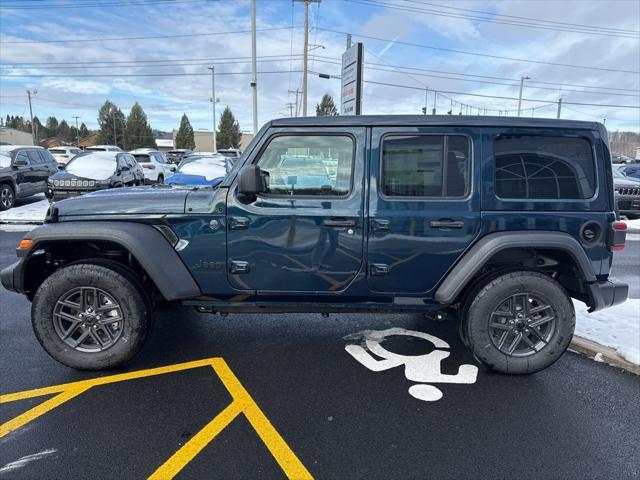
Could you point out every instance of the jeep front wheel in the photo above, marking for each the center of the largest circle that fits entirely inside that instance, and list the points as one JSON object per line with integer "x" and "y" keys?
{"x": 7, "y": 196}
{"x": 91, "y": 317}
{"x": 518, "y": 323}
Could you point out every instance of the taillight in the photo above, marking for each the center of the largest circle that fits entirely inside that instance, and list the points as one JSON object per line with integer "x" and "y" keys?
{"x": 617, "y": 236}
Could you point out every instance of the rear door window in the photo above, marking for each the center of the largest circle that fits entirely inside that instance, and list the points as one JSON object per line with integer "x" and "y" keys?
{"x": 35, "y": 158}
{"x": 544, "y": 167}
{"x": 429, "y": 166}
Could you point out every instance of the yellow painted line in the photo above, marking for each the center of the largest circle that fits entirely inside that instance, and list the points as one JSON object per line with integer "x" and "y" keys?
{"x": 193, "y": 447}
{"x": 41, "y": 409}
{"x": 242, "y": 403}
{"x": 290, "y": 464}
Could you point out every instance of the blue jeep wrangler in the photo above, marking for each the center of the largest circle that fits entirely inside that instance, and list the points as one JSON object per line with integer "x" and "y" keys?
{"x": 500, "y": 220}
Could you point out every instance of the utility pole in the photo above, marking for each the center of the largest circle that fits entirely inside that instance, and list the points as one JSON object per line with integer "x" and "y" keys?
{"x": 435, "y": 96}
{"x": 290, "y": 106}
{"x": 77, "y": 131}
{"x": 306, "y": 54}
{"x": 522, "y": 79}
{"x": 254, "y": 78}
{"x": 213, "y": 102}
{"x": 559, "y": 107}
{"x": 297, "y": 92}
{"x": 115, "y": 134}
{"x": 426, "y": 99}
{"x": 348, "y": 41}
{"x": 33, "y": 129}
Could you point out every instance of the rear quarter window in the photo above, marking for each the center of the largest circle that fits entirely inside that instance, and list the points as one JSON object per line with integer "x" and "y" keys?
{"x": 544, "y": 167}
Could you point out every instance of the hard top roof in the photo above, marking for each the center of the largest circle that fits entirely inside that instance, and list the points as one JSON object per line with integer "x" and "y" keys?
{"x": 430, "y": 120}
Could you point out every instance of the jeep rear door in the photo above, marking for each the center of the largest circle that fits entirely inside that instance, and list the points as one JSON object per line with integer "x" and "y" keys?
{"x": 424, "y": 209}
{"x": 306, "y": 233}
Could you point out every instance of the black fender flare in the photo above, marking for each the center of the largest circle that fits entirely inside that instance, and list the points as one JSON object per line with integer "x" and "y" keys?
{"x": 476, "y": 256}
{"x": 147, "y": 245}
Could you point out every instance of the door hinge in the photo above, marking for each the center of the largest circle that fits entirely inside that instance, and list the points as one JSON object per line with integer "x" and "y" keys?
{"x": 237, "y": 267}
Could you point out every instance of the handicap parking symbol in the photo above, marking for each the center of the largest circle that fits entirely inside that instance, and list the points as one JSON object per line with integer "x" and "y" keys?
{"x": 425, "y": 369}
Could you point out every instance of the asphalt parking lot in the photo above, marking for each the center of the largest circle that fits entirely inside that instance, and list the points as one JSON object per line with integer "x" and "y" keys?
{"x": 304, "y": 405}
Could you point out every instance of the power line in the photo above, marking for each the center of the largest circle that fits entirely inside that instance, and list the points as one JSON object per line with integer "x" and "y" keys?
{"x": 54, "y": 6}
{"x": 522, "y": 18}
{"x": 462, "y": 16}
{"x": 139, "y": 74}
{"x": 153, "y": 37}
{"x": 463, "y": 52}
{"x": 93, "y": 62}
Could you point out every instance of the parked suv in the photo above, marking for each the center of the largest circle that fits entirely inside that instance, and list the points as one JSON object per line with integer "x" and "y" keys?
{"x": 94, "y": 171}
{"x": 497, "y": 222}
{"x": 627, "y": 194}
{"x": 23, "y": 172}
{"x": 64, "y": 154}
{"x": 154, "y": 165}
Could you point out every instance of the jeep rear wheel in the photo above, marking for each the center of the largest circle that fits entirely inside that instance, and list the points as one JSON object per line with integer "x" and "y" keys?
{"x": 520, "y": 322}
{"x": 7, "y": 196}
{"x": 90, "y": 316}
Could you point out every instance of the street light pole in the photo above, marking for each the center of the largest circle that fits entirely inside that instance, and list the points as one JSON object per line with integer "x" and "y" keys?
{"x": 522, "y": 79}
{"x": 254, "y": 78}
{"x": 213, "y": 102}
{"x": 559, "y": 106}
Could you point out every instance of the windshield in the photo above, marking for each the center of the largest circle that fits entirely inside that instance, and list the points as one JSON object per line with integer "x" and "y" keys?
{"x": 96, "y": 166}
{"x": 57, "y": 150}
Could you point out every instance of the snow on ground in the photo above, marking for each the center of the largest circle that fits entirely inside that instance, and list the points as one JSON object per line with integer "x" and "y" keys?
{"x": 617, "y": 327}
{"x": 633, "y": 226}
{"x": 31, "y": 210}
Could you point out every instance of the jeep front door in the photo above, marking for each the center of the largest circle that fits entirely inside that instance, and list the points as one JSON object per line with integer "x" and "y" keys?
{"x": 423, "y": 209}
{"x": 305, "y": 233}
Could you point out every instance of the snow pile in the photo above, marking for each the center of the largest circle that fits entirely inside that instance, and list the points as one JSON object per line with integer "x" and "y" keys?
{"x": 633, "y": 226}
{"x": 617, "y": 327}
{"x": 33, "y": 212}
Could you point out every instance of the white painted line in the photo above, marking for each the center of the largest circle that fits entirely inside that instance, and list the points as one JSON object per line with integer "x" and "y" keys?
{"x": 22, "y": 462}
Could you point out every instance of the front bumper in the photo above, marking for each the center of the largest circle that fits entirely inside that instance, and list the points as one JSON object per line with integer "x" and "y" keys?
{"x": 12, "y": 277}
{"x": 606, "y": 294}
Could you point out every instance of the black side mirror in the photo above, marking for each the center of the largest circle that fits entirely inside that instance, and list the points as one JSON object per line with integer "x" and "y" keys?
{"x": 252, "y": 181}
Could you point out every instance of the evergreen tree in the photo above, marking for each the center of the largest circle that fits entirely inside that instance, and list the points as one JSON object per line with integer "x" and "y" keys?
{"x": 7, "y": 121}
{"x": 229, "y": 135}
{"x": 326, "y": 107}
{"x": 84, "y": 131}
{"x": 184, "y": 137}
{"x": 52, "y": 126}
{"x": 138, "y": 133}
{"x": 64, "y": 132}
{"x": 111, "y": 124}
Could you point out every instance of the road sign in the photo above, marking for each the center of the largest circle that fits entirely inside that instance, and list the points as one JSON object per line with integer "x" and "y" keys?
{"x": 351, "y": 94}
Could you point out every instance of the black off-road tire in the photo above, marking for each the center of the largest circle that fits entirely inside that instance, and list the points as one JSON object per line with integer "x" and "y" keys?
{"x": 488, "y": 295}
{"x": 7, "y": 196}
{"x": 117, "y": 282}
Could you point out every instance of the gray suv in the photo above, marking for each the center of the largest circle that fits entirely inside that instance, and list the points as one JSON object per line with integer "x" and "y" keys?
{"x": 24, "y": 171}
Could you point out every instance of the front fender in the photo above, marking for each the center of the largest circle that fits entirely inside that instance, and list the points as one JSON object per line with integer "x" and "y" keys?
{"x": 147, "y": 245}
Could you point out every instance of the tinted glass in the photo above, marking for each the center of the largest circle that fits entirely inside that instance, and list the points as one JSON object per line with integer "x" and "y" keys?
{"x": 142, "y": 158}
{"x": 308, "y": 165}
{"x": 46, "y": 156}
{"x": 23, "y": 156}
{"x": 425, "y": 166}
{"x": 543, "y": 167}
{"x": 34, "y": 157}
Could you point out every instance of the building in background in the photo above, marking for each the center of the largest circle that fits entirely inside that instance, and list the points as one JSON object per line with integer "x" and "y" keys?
{"x": 164, "y": 144}
{"x": 204, "y": 140}
{"x": 89, "y": 141}
{"x": 15, "y": 137}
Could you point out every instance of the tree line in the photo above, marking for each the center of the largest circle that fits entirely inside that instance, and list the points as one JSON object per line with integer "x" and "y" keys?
{"x": 51, "y": 128}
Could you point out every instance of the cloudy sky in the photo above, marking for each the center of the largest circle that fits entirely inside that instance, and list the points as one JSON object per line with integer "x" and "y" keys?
{"x": 77, "y": 54}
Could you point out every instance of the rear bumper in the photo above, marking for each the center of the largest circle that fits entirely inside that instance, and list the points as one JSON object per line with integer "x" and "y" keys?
{"x": 12, "y": 277}
{"x": 606, "y": 294}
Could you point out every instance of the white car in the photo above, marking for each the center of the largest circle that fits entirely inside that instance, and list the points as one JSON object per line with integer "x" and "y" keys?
{"x": 103, "y": 148}
{"x": 154, "y": 165}
{"x": 232, "y": 153}
{"x": 64, "y": 154}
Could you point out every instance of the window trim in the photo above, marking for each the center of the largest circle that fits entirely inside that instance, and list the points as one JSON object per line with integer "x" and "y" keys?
{"x": 594, "y": 159}
{"x": 354, "y": 149}
{"x": 471, "y": 162}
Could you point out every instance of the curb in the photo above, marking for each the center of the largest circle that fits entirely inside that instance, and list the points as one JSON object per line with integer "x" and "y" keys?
{"x": 600, "y": 353}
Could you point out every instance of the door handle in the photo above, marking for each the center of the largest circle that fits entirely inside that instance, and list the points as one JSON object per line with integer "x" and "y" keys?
{"x": 238, "y": 223}
{"x": 338, "y": 222}
{"x": 380, "y": 225}
{"x": 446, "y": 224}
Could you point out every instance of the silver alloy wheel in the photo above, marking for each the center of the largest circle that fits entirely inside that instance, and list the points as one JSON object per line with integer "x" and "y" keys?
{"x": 88, "y": 319}
{"x": 522, "y": 324}
{"x": 6, "y": 196}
